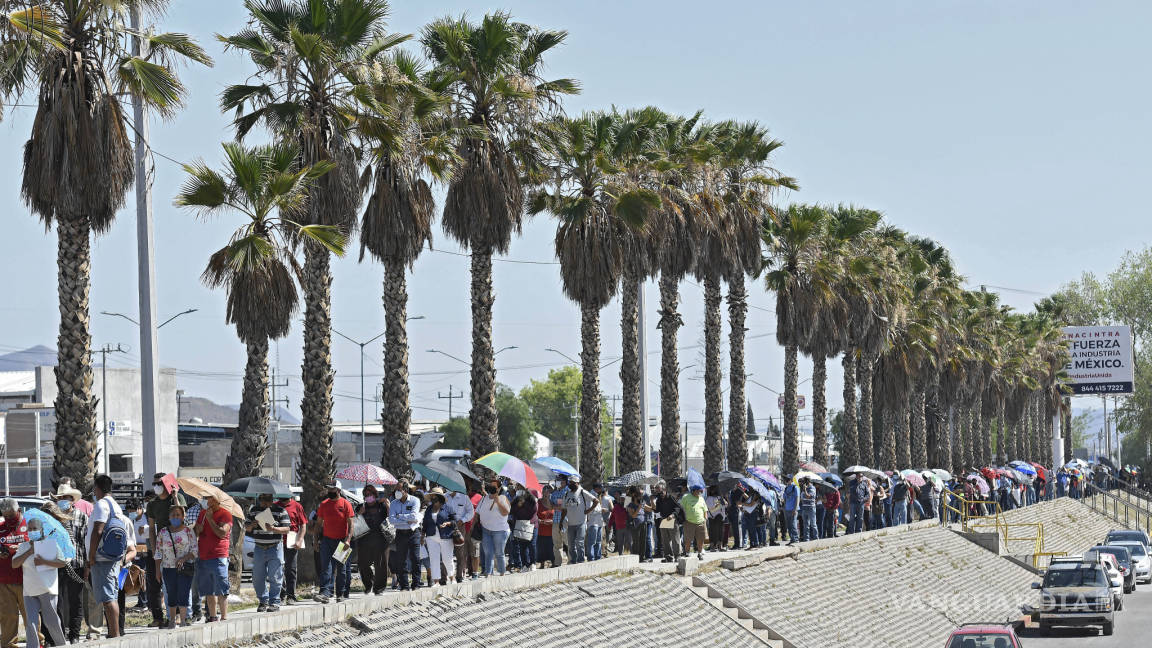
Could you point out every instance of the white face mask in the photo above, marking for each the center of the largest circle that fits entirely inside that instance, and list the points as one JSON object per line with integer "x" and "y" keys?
{"x": 159, "y": 490}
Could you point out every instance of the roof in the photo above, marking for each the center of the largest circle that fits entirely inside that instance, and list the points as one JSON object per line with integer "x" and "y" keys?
{"x": 17, "y": 382}
{"x": 983, "y": 629}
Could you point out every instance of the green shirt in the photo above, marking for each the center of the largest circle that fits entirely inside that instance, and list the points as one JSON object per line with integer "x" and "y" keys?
{"x": 694, "y": 508}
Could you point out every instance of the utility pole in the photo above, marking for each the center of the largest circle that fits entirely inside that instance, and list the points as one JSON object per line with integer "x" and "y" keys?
{"x": 642, "y": 344}
{"x": 149, "y": 371}
{"x": 614, "y": 398}
{"x": 104, "y": 398}
{"x": 450, "y": 396}
{"x": 276, "y": 416}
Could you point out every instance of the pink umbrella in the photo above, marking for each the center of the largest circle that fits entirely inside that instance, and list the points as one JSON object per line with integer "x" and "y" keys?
{"x": 913, "y": 477}
{"x": 367, "y": 473}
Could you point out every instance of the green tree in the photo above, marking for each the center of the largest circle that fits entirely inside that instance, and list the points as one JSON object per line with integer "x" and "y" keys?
{"x": 515, "y": 427}
{"x": 72, "y": 59}
{"x": 457, "y": 434}
{"x": 552, "y": 403}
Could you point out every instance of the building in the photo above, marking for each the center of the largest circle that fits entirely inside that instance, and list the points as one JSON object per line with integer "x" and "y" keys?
{"x": 29, "y": 427}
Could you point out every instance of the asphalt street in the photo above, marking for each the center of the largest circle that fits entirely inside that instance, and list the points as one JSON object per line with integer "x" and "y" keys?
{"x": 1133, "y": 628}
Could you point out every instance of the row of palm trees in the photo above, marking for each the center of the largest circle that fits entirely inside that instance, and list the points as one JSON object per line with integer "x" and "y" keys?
{"x": 637, "y": 194}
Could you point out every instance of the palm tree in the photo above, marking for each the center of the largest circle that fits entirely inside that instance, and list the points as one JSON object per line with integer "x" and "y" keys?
{"x": 78, "y": 162}
{"x": 403, "y": 124}
{"x": 265, "y": 185}
{"x": 592, "y": 202}
{"x": 492, "y": 70}
{"x": 304, "y": 52}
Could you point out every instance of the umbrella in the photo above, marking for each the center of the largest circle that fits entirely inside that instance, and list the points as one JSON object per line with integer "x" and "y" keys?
{"x": 199, "y": 488}
{"x": 990, "y": 473}
{"x": 637, "y": 478}
{"x": 253, "y": 487}
{"x": 944, "y": 475}
{"x": 981, "y": 485}
{"x": 863, "y": 470}
{"x": 766, "y": 476}
{"x": 442, "y": 475}
{"x": 367, "y": 474}
{"x": 912, "y": 477}
{"x": 53, "y": 531}
{"x": 832, "y": 479}
{"x": 807, "y": 474}
{"x": 756, "y": 486}
{"x": 505, "y": 465}
{"x": 813, "y": 466}
{"x": 1040, "y": 470}
{"x": 1024, "y": 468}
{"x": 723, "y": 477}
{"x": 557, "y": 465}
{"x": 933, "y": 477}
{"x": 1107, "y": 462}
{"x": 695, "y": 479}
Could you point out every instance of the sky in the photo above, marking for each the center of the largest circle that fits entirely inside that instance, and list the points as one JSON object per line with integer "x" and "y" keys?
{"x": 1014, "y": 133}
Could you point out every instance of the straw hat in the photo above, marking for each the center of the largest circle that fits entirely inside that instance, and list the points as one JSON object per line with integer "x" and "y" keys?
{"x": 66, "y": 490}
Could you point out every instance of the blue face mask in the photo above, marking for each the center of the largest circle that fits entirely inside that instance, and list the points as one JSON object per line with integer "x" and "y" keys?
{"x": 175, "y": 521}
{"x": 35, "y": 536}
{"x": 65, "y": 505}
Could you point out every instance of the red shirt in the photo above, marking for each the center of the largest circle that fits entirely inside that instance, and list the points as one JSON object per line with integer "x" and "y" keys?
{"x": 335, "y": 515}
{"x": 297, "y": 521}
{"x": 544, "y": 514}
{"x": 475, "y": 499}
{"x": 12, "y": 533}
{"x": 212, "y": 545}
{"x": 832, "y": 500}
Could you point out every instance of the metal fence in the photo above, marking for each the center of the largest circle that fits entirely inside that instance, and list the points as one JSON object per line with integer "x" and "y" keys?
{"x": 1124, "y": 511}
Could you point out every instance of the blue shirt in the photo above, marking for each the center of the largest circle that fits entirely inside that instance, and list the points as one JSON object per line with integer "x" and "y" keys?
{"x": 791, "y": 494}
{"x": 432, "y": 523}
{"x": 405, "y": 513}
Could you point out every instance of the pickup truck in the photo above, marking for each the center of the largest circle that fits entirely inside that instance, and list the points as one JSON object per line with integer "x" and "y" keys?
{"x": 1075, "y": 594}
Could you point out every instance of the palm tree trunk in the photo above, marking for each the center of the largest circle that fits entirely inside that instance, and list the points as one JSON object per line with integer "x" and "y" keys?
{"x": 738, "y": 422}
{"x": 887, "y": 438}
{"x": 396, "y": 415}
{"x": 984, "y": 427}
{"x": 631, "y": 430}
{"x": 964, "y": 438}
{"x": 482, "y": 416}
{"x": 864, "y": 426}
{"x": 903, "y": 438}
{"x": 317, "y": 460}
{"x": 1003, "y": 432}
{"x": 790, "y": 458}
{"x": 938, "y": 443}
{"x": 670, "y": 322}
{"x": 917, "y": 439}
{"x": 713, "y": 397}
{"x": 819, "y": 409}
{"x": 849, "y": 445}
{"x": 75, "y": 444}
{"x": 955, "y": 439}
{"x": 591, "y": 447}
{"x": 250, "y": 442}
{"x": 1049, "y": 428}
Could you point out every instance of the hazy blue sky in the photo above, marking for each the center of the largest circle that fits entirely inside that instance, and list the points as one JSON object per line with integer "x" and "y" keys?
{"x": 1016, "y": 133}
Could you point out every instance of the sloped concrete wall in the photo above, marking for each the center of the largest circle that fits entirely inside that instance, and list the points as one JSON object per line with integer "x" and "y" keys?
{"x": 1069, "y": 526}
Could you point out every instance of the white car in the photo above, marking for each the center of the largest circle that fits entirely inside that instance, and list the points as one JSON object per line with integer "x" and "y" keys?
{"x": 1115, "y": 578}
{"x": 1141, "y": 561}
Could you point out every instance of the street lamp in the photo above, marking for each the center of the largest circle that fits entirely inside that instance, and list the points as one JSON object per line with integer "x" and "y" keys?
{"x": 507, "y": 348}
{"x": 363, "y": 434}
{"x": 187, "y": 312}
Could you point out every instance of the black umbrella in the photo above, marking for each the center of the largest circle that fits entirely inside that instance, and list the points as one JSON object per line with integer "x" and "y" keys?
{"x": 723, "y": 476}
{"x": 253, "y": 487}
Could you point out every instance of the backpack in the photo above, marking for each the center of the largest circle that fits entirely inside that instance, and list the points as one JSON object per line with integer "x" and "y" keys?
{"x": 113, "y": 544}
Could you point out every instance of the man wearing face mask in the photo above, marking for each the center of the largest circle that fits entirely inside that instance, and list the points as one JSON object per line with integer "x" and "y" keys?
{"x": 75, "y": 522}
{"x": 157, "y": 513}
{"x": 334, "y": 520}
{"x": 404, "y": 513}
{"x": 13, "y": 532}
{"x": 297, "y": 525}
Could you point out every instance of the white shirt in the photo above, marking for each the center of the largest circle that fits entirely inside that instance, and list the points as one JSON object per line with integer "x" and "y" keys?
{"x": 102, "y": 511}
{"x": 490, "y": 516}
{"x": 606, "y": 503}
{"x": 39, "y": 581}
{"x": 459, "y": 504}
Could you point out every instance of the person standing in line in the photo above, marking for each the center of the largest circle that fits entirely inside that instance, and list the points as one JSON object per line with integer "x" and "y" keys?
{"x": 156, "y": 515}
{"x": 404, "y": 513}
{"x": 213, "y": 530}
{"x": 196, "y": 613}
{"x": 831, "y": 513}
{"x": 808, "y": 510}
{"x": 791, "y": 503}
{"x": 297, "y": 525}
{"x": 750, "y": 512}
{"x": 879, "y": 495}
{"x": 175, "y": 549}
{"x": 268, "y": 551}
{"x": 493, "y": 510}
{"x": 666, "y": 509}
{"x": 371, "y": 548}
{"x": 544, "y": 547}
{"x": 13, "y": 533}
{"x": 438, "y": 525}
{"x": 333, "y": 526}
{"x": 715, "y": 505}
{"x": 524, "y": 534}
{"x": 40, "y": 586}
{"x": 620, "y": 531}
{"x": 639, "y": 508}
{"x": 736, "y": 524}
{"x": 695, "y": 514}
{"x": 103, "y": 570}
{"x": 462, "y": 507}
{"x": 594, "y": 524}
{"x": 857, "y": 501}
{"x": 578, "y": 505}
{"x": 71, "y": 608}
{"x": 899, "y": 500}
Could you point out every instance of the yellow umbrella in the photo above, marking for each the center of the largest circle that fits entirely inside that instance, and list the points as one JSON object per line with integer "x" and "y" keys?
{"x": 199, "y": 488}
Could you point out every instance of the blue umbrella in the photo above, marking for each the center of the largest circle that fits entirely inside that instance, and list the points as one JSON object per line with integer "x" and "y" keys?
{"x": 558, "y": 466}
{"x": 755, "y": 485}
{"x": 54, "y": 531}
{"x": 694, "y": 479}
{"x": 832, "y": 478}
{"x": 1020, "y": 466}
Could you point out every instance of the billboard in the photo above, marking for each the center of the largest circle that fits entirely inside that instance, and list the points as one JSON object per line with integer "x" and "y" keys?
{"x": 1099, "y": 359}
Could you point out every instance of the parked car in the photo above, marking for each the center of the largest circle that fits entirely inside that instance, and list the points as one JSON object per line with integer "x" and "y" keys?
{"x": 983, "y": 635}
{"x": 1115, "y": 577}
{"x": 1076, "y": 594}
{"x": 1129, "y": 535}
{"x": 1123, "y": 560}
{"x": 27, "y": 502}
{"x": 1141, "y": 561}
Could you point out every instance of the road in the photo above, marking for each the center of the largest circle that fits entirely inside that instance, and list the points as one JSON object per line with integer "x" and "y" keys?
{"x": 1133, "y": 627}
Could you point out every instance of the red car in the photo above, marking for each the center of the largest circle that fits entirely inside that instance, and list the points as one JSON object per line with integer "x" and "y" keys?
{"x": 983, "y": 635}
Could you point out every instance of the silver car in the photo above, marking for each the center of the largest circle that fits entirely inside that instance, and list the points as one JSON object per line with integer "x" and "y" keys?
{"x": 1141, "y": 562}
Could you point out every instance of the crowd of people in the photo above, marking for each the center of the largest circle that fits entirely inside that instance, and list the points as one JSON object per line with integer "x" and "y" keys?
{"x": 172, "y": 551}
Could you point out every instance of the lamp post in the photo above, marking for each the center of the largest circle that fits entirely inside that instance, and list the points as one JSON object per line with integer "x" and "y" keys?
{"x": 363, "y": 432}
{"x": 465, "y": 362}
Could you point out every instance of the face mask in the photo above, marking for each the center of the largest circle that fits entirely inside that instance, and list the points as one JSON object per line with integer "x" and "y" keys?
{"x": 64, "y": 505}
{"x": 133, "y": 515}
{"x": 158, "y": 489}
{"x": 333, "y": 494}
{"x": 34, "y": 536}
{"x": 370, "y": 499}
{"x": 175, "y": 521}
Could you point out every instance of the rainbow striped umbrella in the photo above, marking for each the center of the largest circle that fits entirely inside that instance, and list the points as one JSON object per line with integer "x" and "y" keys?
{"x": 505, "y": 465}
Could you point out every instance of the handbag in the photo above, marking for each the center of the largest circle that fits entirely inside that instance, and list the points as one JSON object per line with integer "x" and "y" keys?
{"x": 359, "y": 527}
{"x": 523, "y": 530}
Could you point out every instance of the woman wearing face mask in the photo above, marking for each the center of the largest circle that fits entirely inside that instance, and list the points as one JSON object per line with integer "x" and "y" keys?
{"x": 438, "y": 525}
{"x": 372, "y": 546}
{"x": 40, "y": 586}
{"x": 493, "y": 510}
{"x": 71, "y": 584}
{"x": 176, "y": 560}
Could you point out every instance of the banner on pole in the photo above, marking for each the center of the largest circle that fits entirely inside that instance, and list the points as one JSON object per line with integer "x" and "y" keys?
{"x": 1099, "y": 359}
